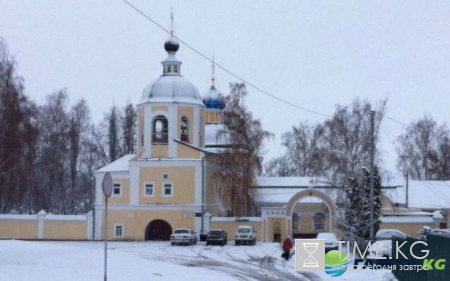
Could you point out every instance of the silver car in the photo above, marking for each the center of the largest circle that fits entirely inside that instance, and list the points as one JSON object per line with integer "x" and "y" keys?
{"x": 184, "y": 236}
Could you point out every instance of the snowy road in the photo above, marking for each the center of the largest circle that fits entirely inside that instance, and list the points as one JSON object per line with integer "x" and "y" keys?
{"x": 70, "y": 261}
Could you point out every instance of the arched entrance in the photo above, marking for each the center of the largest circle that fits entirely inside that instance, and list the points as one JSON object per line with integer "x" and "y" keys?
{"x": 320, "y": 221}
{"x": 158, "y": 230}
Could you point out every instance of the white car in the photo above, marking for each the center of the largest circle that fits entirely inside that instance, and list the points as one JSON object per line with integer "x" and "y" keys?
{"x": 245, "y": 234}
{"x": 388, "y": 233}
{"x": 384, "y": 249}
{"x": 330, "y": 240}
{"x": 183, "y": 236}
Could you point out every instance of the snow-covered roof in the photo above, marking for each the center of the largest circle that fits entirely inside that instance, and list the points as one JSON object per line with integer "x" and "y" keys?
{"x": 17, "y": 217}
{"x": 236, "y": 219}
{"x": 211, "y": 135}
{"x": 171, "y": 89}
{"x": 66, "y": 217}
{"x": 280, "y": 195}
{"x": 281, "y": 182}
{"x": 407, "y": 219}
{"x": 120, "y": 165}
{"x": 422, "y": 194}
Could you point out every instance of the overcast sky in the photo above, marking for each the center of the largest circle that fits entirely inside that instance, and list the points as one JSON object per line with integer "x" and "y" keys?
{"x": 315, "y": 54}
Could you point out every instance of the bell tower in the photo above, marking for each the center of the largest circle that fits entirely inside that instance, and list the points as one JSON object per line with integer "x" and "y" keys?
{"x": 171, "y": 112}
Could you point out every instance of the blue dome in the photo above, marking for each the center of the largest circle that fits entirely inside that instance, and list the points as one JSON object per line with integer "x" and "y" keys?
{"x": 213, "y": 99}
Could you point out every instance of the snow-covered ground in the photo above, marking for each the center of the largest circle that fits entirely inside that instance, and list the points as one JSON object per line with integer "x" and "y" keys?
{"x": 74, "y": 261}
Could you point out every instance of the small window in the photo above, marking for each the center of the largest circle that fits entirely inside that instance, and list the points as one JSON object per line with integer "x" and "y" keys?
{"x": 149, "y": 190}
{"x": 117, "y": 189}
{"x": 165, "y": 176}
{"x": 118, "y": 230}
{"x": 167, "y": 189}
{"x": 175, "y": 68}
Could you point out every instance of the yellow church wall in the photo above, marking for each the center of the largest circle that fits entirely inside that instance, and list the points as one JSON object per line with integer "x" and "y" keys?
{"x": 160, "y": 108}
{"x": 212, "y": 186}
{"x": 183, "y": 179}
{"x": 160, "y": 151}
{"x": 187, "y": 152}
{"x": 136, "y": 222}
{"x": 125, "y": 197}
{"x": 230, "y": 227}
{"x": 23, "y": 229}
{"x": 213, "y": 116}
{"x": 70, "y": 230}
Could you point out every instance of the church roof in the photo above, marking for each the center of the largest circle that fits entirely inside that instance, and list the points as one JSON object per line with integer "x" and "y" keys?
{"x": 120, "y": 165}
{"x": 171, "y": 89}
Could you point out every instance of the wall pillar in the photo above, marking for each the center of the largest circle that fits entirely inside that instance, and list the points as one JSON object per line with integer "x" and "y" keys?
{"x": 90, "y": 225}
{"x": 41, "y": 216}
{"x": 206, "y": 221}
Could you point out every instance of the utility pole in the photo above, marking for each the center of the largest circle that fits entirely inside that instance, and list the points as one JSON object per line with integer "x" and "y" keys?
{"x": 407, "y": 190}
{"x": 372, "y": 160}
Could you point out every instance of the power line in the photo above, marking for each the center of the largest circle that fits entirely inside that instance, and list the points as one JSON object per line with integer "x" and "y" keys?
{"x": 399, "y": 122}
{"x": 223, "y": 68}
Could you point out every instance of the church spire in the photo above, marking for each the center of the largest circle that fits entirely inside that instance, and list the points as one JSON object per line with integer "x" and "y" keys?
{"x": 171, "y": 23}
{"x": 171, "y": 45}
{"x": 213, "y": 78}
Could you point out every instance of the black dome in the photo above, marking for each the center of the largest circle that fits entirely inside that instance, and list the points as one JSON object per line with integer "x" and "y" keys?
{"x": 171, "y": 45}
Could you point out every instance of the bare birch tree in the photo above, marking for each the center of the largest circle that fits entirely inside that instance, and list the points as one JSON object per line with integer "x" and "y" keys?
{"x": 424, "y": 150}
{"x": 242, "y": 160}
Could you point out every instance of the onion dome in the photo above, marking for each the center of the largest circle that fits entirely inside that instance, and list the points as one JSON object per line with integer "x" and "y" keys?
{"x": 171, "y": 45}
{"x": 213, "y": 99}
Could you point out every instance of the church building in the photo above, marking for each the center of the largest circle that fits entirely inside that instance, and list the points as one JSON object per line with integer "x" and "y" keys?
{"x": 169, "y": 183}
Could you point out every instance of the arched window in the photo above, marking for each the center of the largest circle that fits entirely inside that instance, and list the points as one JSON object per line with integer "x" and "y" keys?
{"x": 295, "y": 220}
{"x": 319, "y": 222}
{"x": 184, "y": 128}
{"x": 160, "y": 130}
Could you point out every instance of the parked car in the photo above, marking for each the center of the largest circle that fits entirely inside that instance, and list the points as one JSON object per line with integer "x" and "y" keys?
{"x": 384, "y": 249}
{"x": 330, "y": 240}
{"x": 245, "y": 234}
{"x": 183, "y": 236}
{"x": 388, "y": 233}
{"x": 217, "y": 236}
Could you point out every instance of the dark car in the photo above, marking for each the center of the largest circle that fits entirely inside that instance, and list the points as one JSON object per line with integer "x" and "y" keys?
{"x": 217, "y": 236}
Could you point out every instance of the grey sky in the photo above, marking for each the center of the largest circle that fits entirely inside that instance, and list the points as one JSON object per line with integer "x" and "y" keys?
{"x": 312, "y": 53}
